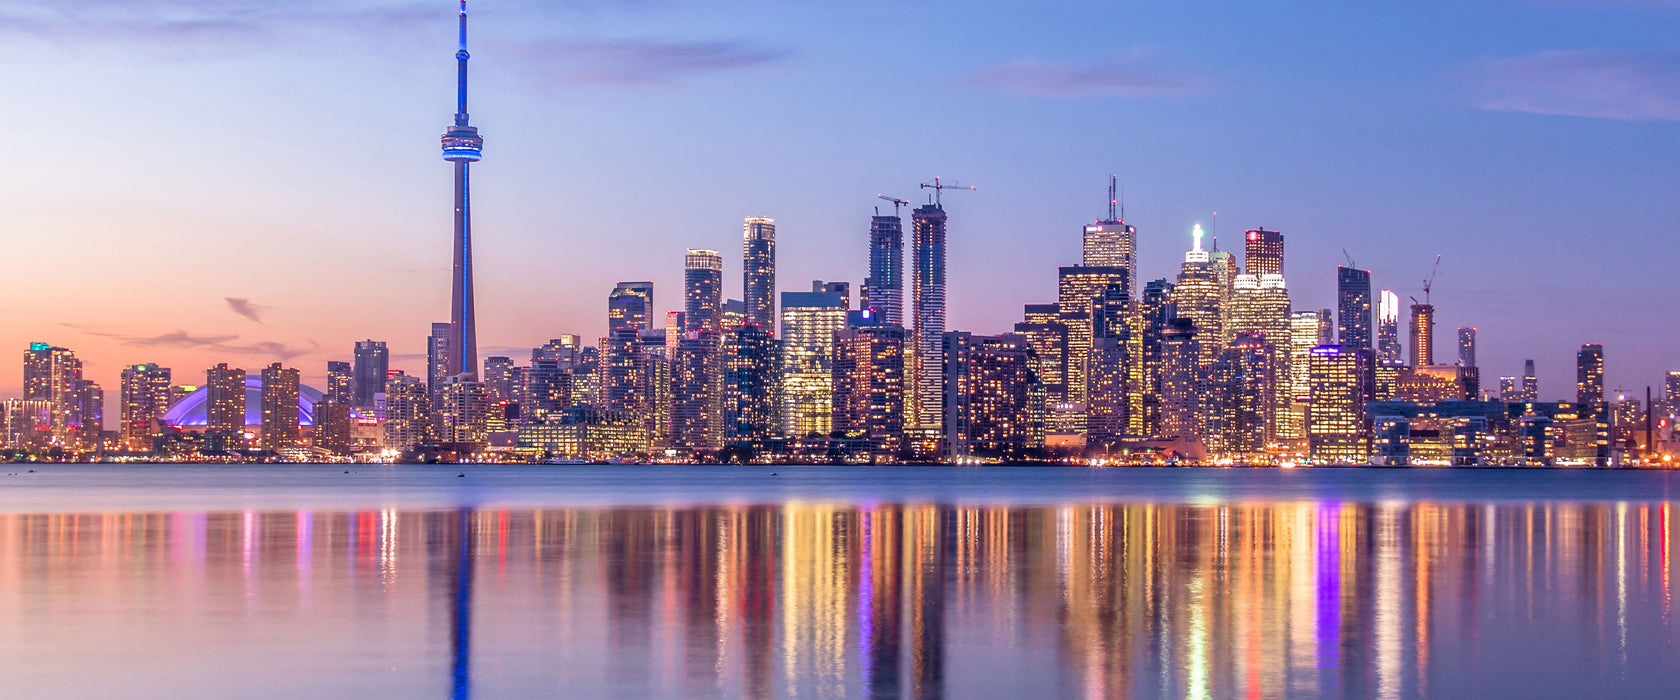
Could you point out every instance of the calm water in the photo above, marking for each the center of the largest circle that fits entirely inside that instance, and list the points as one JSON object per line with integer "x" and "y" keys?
{"x": 834, "y": 582}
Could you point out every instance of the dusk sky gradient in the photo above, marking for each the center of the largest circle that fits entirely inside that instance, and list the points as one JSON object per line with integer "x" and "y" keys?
{"x": 195, "y": 181}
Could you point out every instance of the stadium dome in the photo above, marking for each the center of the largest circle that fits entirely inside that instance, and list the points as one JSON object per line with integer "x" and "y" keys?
{"x": 190, "y": 412}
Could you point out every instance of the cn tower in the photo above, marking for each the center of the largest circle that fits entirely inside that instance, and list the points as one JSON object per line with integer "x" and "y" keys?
{"x": 462, "y": 146}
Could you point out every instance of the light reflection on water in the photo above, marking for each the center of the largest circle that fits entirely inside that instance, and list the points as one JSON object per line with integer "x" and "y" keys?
{"x": 828, "y": 600}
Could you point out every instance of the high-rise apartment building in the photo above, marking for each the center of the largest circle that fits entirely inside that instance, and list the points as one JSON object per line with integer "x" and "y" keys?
{"x": 697, "y": 393}
{"x": 621, "y": 368}
{"x": 145, "y": 398}
{"x": 702, "y": 290}
{"x": 341, "y": 383}
{"x": 927, "y": 338}
{"x": 751, "y": 384}
{"x": 810, "y": 321}
{"x": 90, "y": 414}
{"x": 1263, "y": 252}
{"x": 1336, "y": 410}
{"x": 630, "y": 305}
{"x": 408, "y": 412}
{"x": 869, "y": 380}
{"x": 498, "y": 378}
{"x": 463, "y": 411}
{"x": 438, "y": 360}
{"x": 758, "y": 267}
{"x": 675, "y": 322}
{"x": 53, "y": 375}
{"x": 1353, "y": 310}
{"x": 1423, "y": 335}
{"x": 994, "y": 405}
{"x": 1389, "y": 350}
{"x": 1467, "y": 346}
{"x": 883, "y": 291}
{"x": 1589, "y": 373}
{"x": 280, "y": 387}
{"x": 224, "y": 404}
{"x": 373, "y": 365}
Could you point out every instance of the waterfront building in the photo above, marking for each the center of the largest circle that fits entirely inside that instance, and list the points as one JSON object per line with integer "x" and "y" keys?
{"x": 1180, "y": 380}
{"x": 498, "y": 378}
{"x": 1436, "y": 433}
{"x": 439, "y": 360}
{"x": 549, "y": 388}
{"x": 1589, "y": 373}
{"x": 1237, "y": 398}
{"x": 90, "y": 414}
{"x": 994, "y": 405}
{"x": 280, "y": 387}
{"x": 54, "y": 374}
{"x": 464, "y": 412}
{"x": 809, "y": 322}
{"x": 883, "y": 290}
{"x": 751, "y": 384}
{"x": 927, "y": 337}
{"x": 621, "y": 370}
{"x": 1154, "y": 311}
{"x": 145, "y": 397}
{"x": 1049, "y": 342}
{"x": 1307, "y": 330}
{"x": 1263, "y": 252}
{"x": 1336, "y": 410}
{"x": 583, "y": 432}
{"x": 758, "y": 268}
{"x": 373, "y": 365}
{"x": 1433, "y": 383}
{"x": 869, "y": 380}
{"x": 656, "y": 388}
{"x": 408, "y": 413}
{"x": 630, "y": 305}
{"x": 334, "y": 428}
{"x": 1467, "y": 346}
{"x": 697, "y": 393}
{"x": 225, "y": 402}
{"x": 702, "y": 290}
{"x": 1077, "y": 292}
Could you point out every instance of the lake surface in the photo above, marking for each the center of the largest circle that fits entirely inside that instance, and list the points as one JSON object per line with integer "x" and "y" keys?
{"x": 817, "y": 582}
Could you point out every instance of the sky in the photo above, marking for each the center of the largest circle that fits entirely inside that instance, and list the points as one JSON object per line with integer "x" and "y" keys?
{"x": 200, "y": 181}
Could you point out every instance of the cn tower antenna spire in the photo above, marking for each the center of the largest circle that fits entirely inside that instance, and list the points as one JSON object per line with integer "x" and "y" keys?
{"x": 461, "y": 57}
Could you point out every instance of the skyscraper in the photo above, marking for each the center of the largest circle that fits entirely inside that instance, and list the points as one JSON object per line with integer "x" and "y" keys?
{"x": 1336, "y": 412}
{"x": 869, "y": 381}
{"x": 993, "y": 402}
{"x": 1077, "y": 291}
{"x": 1307, "y": 330}
{"x": 224, "y": 399}
{"x": 1260, "y": 311}
{"x": 809, "y": 322}
{"x": 1263, "y": 252}
{"x": 340, "y": 383}
{"x": 1589, "y": 373}
{"x": 697, "y": 393}
{"x": 1180, "y": 369}
{"x": 927, "y": 295}
{"x": 145, "y": 398}
{"x": 1389, "y": 350}
{"x": 408, "y": 412}
{"x": 53, "y": 375}
{"x": 1353, "y": 312}
{"x": 462, "y": 146}
{"x": 1423, "y": 335}
{"x": 439, "y": 359}
{"x": 702, "y": 290}
{"x": 90, "y": 414}
{"x": 758, "y": 270}
{"x": 1111, "y": 242}
{"x": 630, "y": 305}
{"x": 464, "y": 411}
{"x": 373, "y": 365}
{"x": 883, "y": 291}
{"x": 751, "y": 384}
{"x": 1200, "y": 296}
{"x": 1530, "y": 383}
{"x": 280, "y": 386}
{"x": 1467, "y": 346}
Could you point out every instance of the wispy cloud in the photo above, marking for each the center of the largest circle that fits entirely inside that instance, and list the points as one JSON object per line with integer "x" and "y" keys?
{"x": 179, "y": 339}
{"x": 1606, "y": 84}
{"x": 245, "y": 308}
{"x": 176, "y": 27}
{"x": 1131, "y": 75}
{"x": 270, "y": 348}
{"x": 639, "y": 62}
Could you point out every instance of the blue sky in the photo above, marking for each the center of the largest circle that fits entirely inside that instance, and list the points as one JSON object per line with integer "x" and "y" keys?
{"x": 173, "y": 154}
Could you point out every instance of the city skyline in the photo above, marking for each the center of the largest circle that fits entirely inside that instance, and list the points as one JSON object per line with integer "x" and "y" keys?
{"x": 264, "y": 315}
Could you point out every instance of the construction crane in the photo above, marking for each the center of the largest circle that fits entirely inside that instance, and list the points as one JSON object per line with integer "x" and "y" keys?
{"x": 1349, "y": 258}
{"x": 939, "y": 187}
{"x": 896, "y": 202}
{"x": 1430, "y": 280}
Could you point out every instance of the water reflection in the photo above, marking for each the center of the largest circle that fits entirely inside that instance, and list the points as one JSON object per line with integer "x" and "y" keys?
{"x": 822, "y": 600}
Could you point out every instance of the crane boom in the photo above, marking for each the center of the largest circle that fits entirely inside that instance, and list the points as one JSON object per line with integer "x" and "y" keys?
{"x": 896, "y": 202}
{"x": 1430, "y": 280}
{"x": 939, "y": 187}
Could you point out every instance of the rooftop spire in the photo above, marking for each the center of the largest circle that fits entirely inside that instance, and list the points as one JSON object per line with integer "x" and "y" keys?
{"x": 461, "y": 57}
